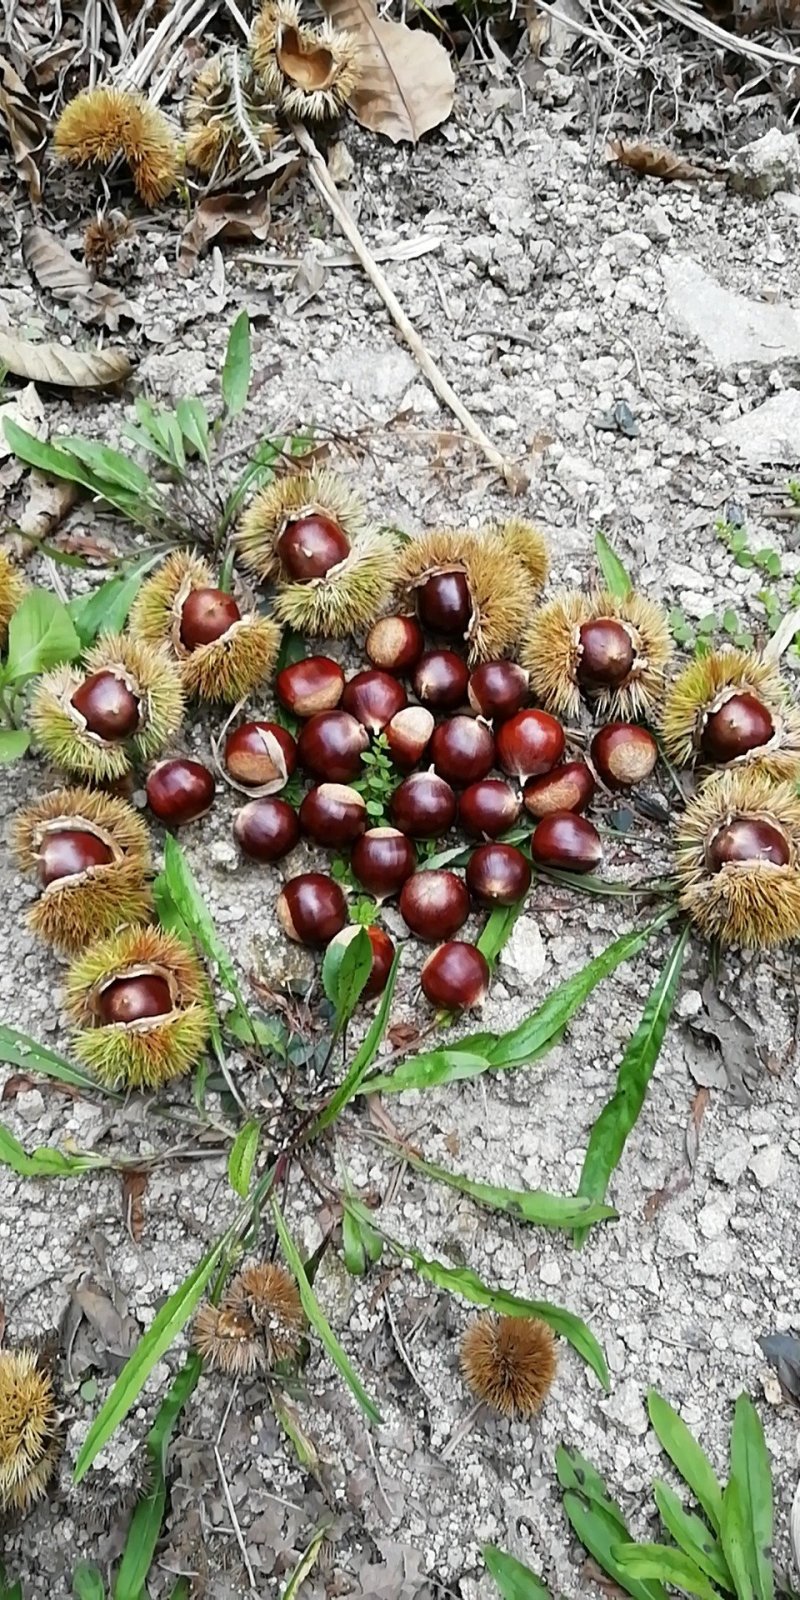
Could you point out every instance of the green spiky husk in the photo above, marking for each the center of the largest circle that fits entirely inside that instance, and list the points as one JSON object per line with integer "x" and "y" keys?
{"x": 57, "y": 732}
{"x": 298, "y": 101}
{"x": 752, "y": 904}
{"x": 12, "y": 590}
{"x": 148, "y": 1059}
{"x": 71, "y": 913}
{"x": 699, "y": 686}
{"x": 500, "y": 585}
{"x": 551, "y": 653}
{"x": 348, "y": 598}
{"x": 228, "y": 669}
{"x": 269, "y": 511}
{"x": 151, "y": 616}
{"x": 525, "y": 542}
{"x": 107, "y": 814}
{"x": 29, "y": 1431}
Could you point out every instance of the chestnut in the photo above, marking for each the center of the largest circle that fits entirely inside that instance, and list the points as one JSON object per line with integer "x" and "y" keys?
{"x": 146, "y": 994}
{"x": 69, "y": 851}
{"x": 382, "y": 957}
{"x": 606, "y": 653}
{"x": 207, "y": 614}
{"x": 333, "y": 814}
{"x": 310, "y": 545}
{"x": 529, "y": 743}
{"x": 179, "y": 791}
{"x": 488, "y": 808}
{"x": 311, "y": 909}
{"x": 747, "y": 839}
{"x": 569, "y": 787}
{"x": 331, "y": 745}
{"x": 740, "y": 724}
{"x": 266, "y": 829}
{"x": 311, "y": 685}
{"x": 440, "y": 680}
{"x": 624, "y": 754}
{"x": 423, "y": 805}
{"x": 498, "y": 689}
{"x": 444, "y": 602}
{"x": 434, "y": 904}
{"x": 408, "y": 736}
{"x": 566, "y": 841}
{"x": 260, "y": 755}
{"x": 455, "y": 977}
{"x": 373, "y": 697}
{"x": 382, "y": 859}
{"x": 395, "y": 644}
{"x": 462, "y": 750}
{"x": 498, "y": 875}
{"x": 109, "y": 708}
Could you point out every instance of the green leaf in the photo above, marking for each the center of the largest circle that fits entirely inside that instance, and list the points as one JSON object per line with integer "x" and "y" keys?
{"x": 426, "y": 1071}
{"x": 736, "y": 1539}
{"x": 236, "y": 370}
{"x": 287, "y": 1416}
{"x": 110, "y": 465}
{"x": 751, "y": 1472}
{"x": 617, "y": 1118}
{"x": 193, "y": 422}
{"x": 106, "y": 609}
{"x": 529, "y": 1205}
{"x": 13, "y": 744}
{"x": 692, "y": 1534}
{"x": 164, "y": 1328}
{"x": 345, "y": 971}
{"x": 10, "y": 1591}
{"x": 87, "y": 1582}
{"x": 666, "y": 1565}
{"x": 46, "y": 1161}
{"x": 687, "y": 1456}
{"x": 145, "y": 1524}
{"x": 498, "y": 930}
{"x": 600, "y": 1533}
{"x": 184, "y": 892}
{"x": 41, "y": 634}
{"x": 181, "y": 1590}
{"x": 515, "y": 1581}
{"x": 318, "y": 1320}
{"x": 19, "y": 1050}
{"x": 575, "y": 1472}
{"x": 352, "y": 1082}
{"x": 306, "y": 1564}
{"x": 242, "y": 1158}
{"x": 615, "y": 577}
{"x": 353, "y": 1247}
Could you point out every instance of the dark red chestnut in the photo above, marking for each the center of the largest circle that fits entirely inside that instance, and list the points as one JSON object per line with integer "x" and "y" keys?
{"x": 309, "y": 686}
{"x": 69, "y": 851}
{"x": 310, "y": 545}
{"x": 373, "y": 698}
{"x": 567, "y": 788}
{"x": 382, "y": 957}
{"x": 740, "y": 724}
{"x": 462, "y": 750}
{"x": 395, "y": 644}
{"x": 109, "y": 708}
{"x": 444, "y": 603}
{"x": 333, "y": 814}
{"x": 408, "y": 736}
{"x": 745, "y": 840}
{"x": 624, "y": 754}
{"x": 261, "y": 755}
{"x": 266, "y": 829}
{"x": 423, "y": 806}
{"x": 606, "y": 653}
{"x": 330, "y": 746}
{"x": 530, "y": 742}
{"x": 455, "y": 977}
{"x": 488, "y": 808}
{"x": 311, "y": 909}
{"x": 498, "y": 875}
{"x": 441, "y": 680}
{"x": 498, "y": 689}
{"x": 382, "y": 859}
{"x": 566, "y": 841}
{"x": 179, "y": 791}
{"x": 434, "y": 904}
{"x": 132, "y": 999}
{"x": 207, "y": 614}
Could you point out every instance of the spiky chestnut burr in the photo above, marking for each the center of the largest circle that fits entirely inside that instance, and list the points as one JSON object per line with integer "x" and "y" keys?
{"x": 509, "y": 1362}
{"x": 92, "y": 856}
{"x": 120, "y": 707}
{"x": 228, "y": 114}
{"x": 501, "y": 591}
{"x": 224, "y": 650}
{"x": 12, "y": 589}
{"x": 737, "y": 859}
{"x": 529, "y": 546}
{"x": 293, "y": 504}
{"x": 309, "y": 71}
{"x": 103, "y": 122}
{"x": 732, "y": 708}
{"x": 611, "y": 652}
{"x": 30, "y": 1435}
{"x": 258, "y": 1323}
{"x": 140, "y": 1002}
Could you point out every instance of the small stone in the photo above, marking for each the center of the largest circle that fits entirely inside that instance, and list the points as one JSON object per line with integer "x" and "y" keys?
{"x": 732, "y": 1163}
{"x": 524, "y": 954}
{"x": 717, "y": 1260}
{"x": 766, "y": 1165}
{"x": 657, "y": 225}
{"x": 627, "y": 1409}
{"x": 770, "y": 433}
{"x": 576, "y": 475}
{"x": 30, "y": 1105}
{"x": 733, "y": 329}
{"x": 224, "y": 854}
{"x": 766, "y": 165}
{"x": 550, "y": 1272}
{"x": 690, "y": 1004}
{"x": 713, "y": 1218}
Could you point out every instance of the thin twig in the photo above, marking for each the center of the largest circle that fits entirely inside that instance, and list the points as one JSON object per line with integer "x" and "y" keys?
{"x": 227, "y": 1494}
{"x": 465, "y": 1426}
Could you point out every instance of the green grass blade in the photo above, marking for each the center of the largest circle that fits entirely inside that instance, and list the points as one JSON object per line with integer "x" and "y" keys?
{"x": 514, "y": 1580}
{"x": 236, "y": 370}
{"x": 19, "y": 1050}
{"x": 736, "y": 1539}
{"x": 306, "y": 1564}
{"x": 242, "y": 1157}
{"x": 87, "y": 1582}
{"x": 751, "y": 1471}
{"x": 529, "y": 1205}
{"x": 351, "y": 1084}
{"x": 345, "y": 970}
{"x": 665, "y": 1564}
{"x": 687, "y": 1456}
{"x": 451, "y": 1065}
{"x": 145, "y": 1524}
{"x": 694, "y": 1537}
{"x": 46, "y": 1161}
{"x": 600, "y": 1534}
{"x": 575, "y": 1472}
{"x": 498, "y": 931}
{"x": 615, "y": 576}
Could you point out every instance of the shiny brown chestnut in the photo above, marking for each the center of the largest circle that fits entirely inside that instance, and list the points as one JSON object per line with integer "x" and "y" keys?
{"x": 260, "y": 754}
{"x": 382, "y": 957}
{"x": 179, "y": 791}
{"x": 434, "y": 904}
{"x": 440, "y": 680}
{"x": 311, "y": 909}
{"x": 207, "y": 614}
{"x": 69, "y": 851}
{"x": 423, "y": 805}
{"x": 109, "y": 708}
{"x": 740, "y": 724}
{"x": 333, "y": 814}
{"x": 382, "y": 859}
{"x": 408, "y": 736}
{"x": 498, "y": 689}
{"x": 455, "y": 977}
{"x": 529, "y": 743}
{"x": 331, "y": 745}
{"x": 444, "y": 603}
{"x": 498, "y": 875}
{"x": 566, "y": 841}
{"x": 462, "y": 750}
{"x": 623, "y": 754}
{"x": 569, "y": 787}
{"x": 606, "y": 654}
{"x": 309, "y": 686}
{"x": 373, "y": 698}
{"x": 488, "y": 808}
{"x": 309, "y": 546}
{"x": 743, "y": 840}
{"x": 266, "y": 829}
{"x": 143, "y": 995}
{"x": 395, "y": 644}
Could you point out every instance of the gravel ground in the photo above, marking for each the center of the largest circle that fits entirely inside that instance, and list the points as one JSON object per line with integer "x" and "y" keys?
{"x": 558, "y": 291}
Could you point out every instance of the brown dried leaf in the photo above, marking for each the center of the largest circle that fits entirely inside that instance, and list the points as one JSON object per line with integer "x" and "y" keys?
{"x": 48, "y": 502}
{"x": 50, "y": 263}
{"x": 134, "y": 1188}
{"x": 53, "y": 363}
{"x": 26, "y": 126}
{"x": 406, "y": 83}
{"x": 402, "y": 1035}
{"x": 696, "y": 1115}
{"x": 18, "y": 1083}
{"x": 654, "y": 161}
{"x": 223, "y": 216}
